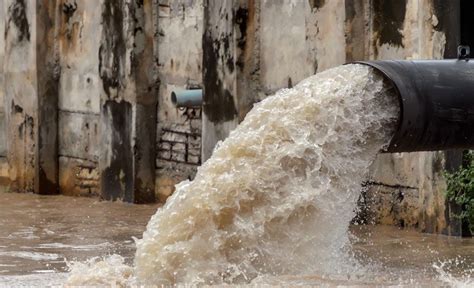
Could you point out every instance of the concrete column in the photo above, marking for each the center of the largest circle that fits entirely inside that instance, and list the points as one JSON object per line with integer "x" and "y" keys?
{"x": 219, "y": 76}
{"x": 128, "y": 101}
{"x": 31, "y": 93}
{"x": 230, "y": 61}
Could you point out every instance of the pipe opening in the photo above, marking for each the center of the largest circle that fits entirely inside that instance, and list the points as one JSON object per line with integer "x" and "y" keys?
{"x": 391, "y": 90}
{"x": 174, "y": 100}
{"x": 436, "y": 103}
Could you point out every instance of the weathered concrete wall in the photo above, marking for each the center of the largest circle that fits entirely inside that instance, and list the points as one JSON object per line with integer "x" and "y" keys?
{"x": 407, "y": 189}
{"x": 105, "y": 110}
{"x": 180, "y": 67}
{"x": 128, "y": 71}
{"x": 80, "y": 85}
{"x": 2, "y": 97}
{"x": 251, "y": 53}
{"x": 31, "y": 85}
{"x": 79, "y": 97}
{"x": 3, "y": 145}
{"x": 219, "y": 75}
{"x": 298, "y": 48}
{"x": 84, "y": 70}
{"x": 20, "y": 101}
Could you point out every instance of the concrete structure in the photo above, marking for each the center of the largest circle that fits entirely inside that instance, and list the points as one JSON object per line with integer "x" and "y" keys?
{"x": 81, "y": 104}
{"x": 86, "y": 88}
{"x": 31, "y": 76}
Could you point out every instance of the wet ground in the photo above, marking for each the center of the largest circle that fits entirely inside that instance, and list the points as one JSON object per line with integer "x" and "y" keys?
{"x": 39, "y": 234}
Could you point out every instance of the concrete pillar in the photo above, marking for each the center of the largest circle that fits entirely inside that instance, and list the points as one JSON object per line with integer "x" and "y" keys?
{"x": 230, "y": 60}
{"x": 128, "y": 101}
{"x": 31, "y": 92}
{"x": 219, "y": 77}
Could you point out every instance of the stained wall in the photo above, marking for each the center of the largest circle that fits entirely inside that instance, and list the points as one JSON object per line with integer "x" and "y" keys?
{"x": 116, "y": 63}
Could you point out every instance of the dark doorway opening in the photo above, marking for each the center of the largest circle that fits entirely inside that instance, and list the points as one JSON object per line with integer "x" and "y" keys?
{"x": 467, "y": 22}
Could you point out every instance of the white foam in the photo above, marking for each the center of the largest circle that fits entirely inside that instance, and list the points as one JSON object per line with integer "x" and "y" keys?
{"x": 459, "y": 281}
{"x": 30, "y": 255}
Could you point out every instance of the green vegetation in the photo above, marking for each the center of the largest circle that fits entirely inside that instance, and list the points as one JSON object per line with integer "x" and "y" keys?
{"x": 460, "y": 189}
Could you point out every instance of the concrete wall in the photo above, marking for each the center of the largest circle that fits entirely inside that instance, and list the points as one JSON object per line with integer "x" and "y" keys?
{"x": 95, "y": 95}
{"x": 2, "y": 97}
{"x": 110, "y": 139}
{"x": 21, "y": 92}
{"x": 290, "y": 53}
{"x": 79, "y": 97}
{"x": 71, "y": 68}
{"x": 4, "y": 174}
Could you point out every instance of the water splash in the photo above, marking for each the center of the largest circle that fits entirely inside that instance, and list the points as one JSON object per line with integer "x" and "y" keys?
{"x": 109, "y": 271}
{"x": 443, "y": 268}
{"x": 278, "y": 194}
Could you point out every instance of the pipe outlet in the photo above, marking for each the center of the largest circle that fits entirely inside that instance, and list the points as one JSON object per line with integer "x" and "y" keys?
{"x": 187, "y": 98}
{"x": 436, "y": 103}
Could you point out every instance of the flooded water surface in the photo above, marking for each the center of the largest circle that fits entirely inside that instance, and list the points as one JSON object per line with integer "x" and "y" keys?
{"x": 39, "y": 234}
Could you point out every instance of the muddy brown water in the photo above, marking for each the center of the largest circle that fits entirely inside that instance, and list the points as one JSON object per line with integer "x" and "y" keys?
{"x": 39, "y": 234}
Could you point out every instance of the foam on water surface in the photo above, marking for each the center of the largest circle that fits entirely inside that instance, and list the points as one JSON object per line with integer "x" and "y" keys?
{"x": 277, "y": 196}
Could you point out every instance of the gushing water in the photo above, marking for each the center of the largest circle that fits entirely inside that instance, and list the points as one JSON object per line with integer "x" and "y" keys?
{"x": 276, "y": 197}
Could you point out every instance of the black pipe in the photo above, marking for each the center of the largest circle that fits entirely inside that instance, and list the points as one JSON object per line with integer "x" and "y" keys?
{"x": 436, "y": 103}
